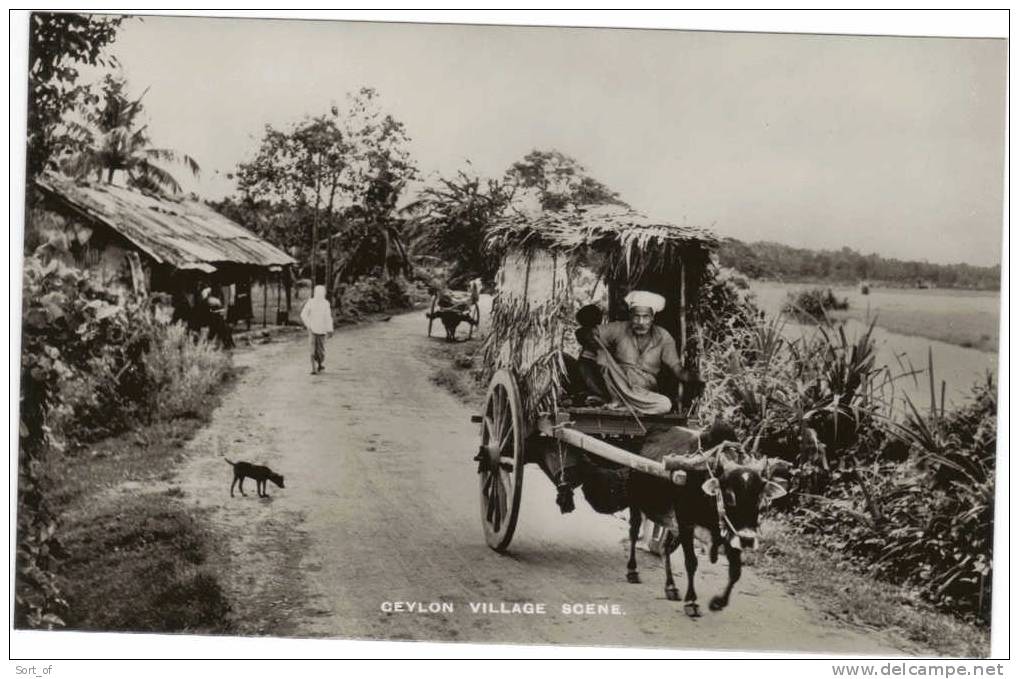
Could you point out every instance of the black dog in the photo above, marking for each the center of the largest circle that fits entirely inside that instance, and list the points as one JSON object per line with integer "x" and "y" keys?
{"x": 243, "y": 470}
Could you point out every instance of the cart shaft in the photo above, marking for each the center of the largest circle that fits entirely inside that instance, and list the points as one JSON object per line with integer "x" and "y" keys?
{"x": 596, "y": 446}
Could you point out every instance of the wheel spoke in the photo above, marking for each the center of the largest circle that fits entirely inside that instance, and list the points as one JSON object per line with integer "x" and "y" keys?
{"x": 491, "y": 505}
{"x": 490, "y": 431}
{"x": 502, "y": 496}
{"x": 504, "y": 439}
{"x": 497, "y": 412}
{"x": 496, "y": 505}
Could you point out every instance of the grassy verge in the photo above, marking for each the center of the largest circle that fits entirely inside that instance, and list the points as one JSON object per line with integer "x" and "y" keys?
{"x": 455, "y": 370}
{"x": 808, "y": 570}
{"x": 853, "y": 598}
{"x": 137, "y": 555}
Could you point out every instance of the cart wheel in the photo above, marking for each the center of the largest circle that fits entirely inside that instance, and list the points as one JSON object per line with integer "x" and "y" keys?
{"x": 501, "y": 460}
{"x": 476, "y": 317}
{"x": 431, "y": 318}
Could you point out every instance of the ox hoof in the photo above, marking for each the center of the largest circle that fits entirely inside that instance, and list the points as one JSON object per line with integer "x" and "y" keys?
{"x": 691, "y": 609}
{"x": 717, "y": 603}
{"x": 672, "y": 594}
{"x": 632, "y": 577}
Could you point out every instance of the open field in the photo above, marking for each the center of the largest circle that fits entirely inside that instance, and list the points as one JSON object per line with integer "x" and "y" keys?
{"x": 967, "y": 318}
{"x": 912, "y": 324}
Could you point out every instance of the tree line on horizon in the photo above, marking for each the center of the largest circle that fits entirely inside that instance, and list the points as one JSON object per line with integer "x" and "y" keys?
{"x": 775, "y": 261}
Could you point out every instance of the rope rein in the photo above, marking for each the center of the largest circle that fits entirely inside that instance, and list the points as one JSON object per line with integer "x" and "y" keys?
{"x": 725, "y": 526}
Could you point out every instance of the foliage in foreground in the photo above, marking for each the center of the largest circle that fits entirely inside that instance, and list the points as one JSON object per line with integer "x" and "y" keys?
{"x": 91, "y": 366}
{"x": 908, "y": 498}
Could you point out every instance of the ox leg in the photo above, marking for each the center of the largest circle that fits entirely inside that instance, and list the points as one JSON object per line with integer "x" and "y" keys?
{"x": 668, "y": 547}
{"x": 631, "y": 566}
{"x": 735, "y": 558}
{"x": 690, "y": 562}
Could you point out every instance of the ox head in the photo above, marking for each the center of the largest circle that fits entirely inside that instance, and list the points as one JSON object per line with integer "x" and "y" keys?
{"x": 742, "y": 491}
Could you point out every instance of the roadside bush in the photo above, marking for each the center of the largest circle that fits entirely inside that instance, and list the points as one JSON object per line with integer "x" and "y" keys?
{"x": 179, "y": 367}
{"x": 726, "y": 308}
{"x": 373, "y": 294}
{"x": 908, "y": 498}
{"x": 926, "y": 523}
{"x": 67, "y": 327}
{"x": 92, "y": 364}
{"x": 813, "y": 304}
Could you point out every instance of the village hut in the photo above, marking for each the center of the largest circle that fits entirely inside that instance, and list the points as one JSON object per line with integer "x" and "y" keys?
{"x": 554, "y": 262}
{"x": 147, "y": 242}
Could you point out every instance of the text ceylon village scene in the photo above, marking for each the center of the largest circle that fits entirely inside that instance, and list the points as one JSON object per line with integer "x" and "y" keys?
{"x": 510, "y": 334}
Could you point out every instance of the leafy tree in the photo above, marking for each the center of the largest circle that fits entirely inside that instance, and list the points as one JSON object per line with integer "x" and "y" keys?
{"x": 560, "y": 180}
{"x": 302, "y": 170}
{"x": 57, "y": 43}
{"x": 111, "y": 140}
{"x": 347, "y": 170}
{"x": 276, "y": 222}
{"x": 453, "y": 218}
{"x": 381, "y": 169}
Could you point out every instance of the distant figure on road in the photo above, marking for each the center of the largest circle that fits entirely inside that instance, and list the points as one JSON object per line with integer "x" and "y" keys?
{"x": 317, "y": 317}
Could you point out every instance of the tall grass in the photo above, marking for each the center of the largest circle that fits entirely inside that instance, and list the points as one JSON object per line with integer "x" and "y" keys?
{"x": 181, "y": 368}
{"x": 906, "y": 493}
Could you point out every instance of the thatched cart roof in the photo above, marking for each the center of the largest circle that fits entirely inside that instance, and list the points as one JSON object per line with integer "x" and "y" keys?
{"x": 600, "y": 227}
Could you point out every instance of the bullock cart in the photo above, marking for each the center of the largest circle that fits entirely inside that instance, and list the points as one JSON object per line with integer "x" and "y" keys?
{"x": 551, "y": 265}
{"x": 459, "y": 302}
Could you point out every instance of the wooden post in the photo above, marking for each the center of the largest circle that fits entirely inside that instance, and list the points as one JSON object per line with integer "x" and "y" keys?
{"x": 265, "y": 299}
{"x": 682, "y": 313}
{"x": 279, "y": 296}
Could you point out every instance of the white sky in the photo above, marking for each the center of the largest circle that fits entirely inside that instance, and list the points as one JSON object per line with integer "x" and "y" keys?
{"x": 888, "y": 145}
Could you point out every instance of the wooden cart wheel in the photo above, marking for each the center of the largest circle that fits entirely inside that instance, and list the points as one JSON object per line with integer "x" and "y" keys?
{"x": 476, "y": 317}
{"x": 501, "y": 460}
{"x": 431, "y": 317}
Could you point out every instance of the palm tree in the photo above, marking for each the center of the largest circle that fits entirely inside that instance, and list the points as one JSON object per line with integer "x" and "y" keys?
{"x": 108, "y": 141}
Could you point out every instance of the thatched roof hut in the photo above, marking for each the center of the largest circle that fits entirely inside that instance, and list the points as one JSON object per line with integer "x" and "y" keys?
{"x": 554, "y": 262}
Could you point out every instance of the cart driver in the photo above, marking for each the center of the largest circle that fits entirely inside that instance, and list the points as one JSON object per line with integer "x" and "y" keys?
{"x": 638, "y": 350}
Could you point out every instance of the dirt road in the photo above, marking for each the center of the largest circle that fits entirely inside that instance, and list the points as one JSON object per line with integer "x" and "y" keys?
{"x": 381, "y": 506}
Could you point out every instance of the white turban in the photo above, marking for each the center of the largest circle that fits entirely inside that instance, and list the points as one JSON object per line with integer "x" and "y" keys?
{"x": 643, "y": 298}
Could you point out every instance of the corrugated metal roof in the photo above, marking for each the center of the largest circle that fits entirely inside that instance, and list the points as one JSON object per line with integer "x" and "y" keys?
{"x": 177, "y": 232}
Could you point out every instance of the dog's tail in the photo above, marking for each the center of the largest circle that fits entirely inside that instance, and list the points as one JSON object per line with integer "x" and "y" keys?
{"x": 232, "y": 464}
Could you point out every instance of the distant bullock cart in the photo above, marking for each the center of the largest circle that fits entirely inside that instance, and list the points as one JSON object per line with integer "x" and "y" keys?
{"x": 453, "y": 307}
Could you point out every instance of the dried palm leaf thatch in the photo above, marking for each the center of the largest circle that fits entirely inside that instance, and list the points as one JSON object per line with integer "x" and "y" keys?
{"x": 627, "y": 243}
{"x": 532, "y": 321}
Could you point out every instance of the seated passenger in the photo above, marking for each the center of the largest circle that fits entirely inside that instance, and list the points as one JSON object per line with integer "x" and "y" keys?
{"x": 586, "y": 384}
{"x": 637, "y": 351}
